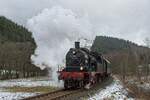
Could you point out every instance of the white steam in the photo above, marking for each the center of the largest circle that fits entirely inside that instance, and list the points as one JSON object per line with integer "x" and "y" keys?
{"x": 55, "y": 31}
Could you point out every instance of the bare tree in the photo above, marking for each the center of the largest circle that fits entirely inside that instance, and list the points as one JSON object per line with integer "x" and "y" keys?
{"x": 147, "y": 43}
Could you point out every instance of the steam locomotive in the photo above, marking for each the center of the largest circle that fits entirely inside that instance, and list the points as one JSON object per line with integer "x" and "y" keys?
{"x": 84, "y": 68}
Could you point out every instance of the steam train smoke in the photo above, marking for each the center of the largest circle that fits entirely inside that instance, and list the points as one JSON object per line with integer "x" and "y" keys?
{"x": 55, "y": 31}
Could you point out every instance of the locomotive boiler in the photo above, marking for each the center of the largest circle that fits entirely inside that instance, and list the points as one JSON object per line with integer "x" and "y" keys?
{"x": 84, "y": 68}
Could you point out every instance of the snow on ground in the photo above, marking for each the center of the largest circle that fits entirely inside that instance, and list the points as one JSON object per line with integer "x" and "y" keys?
{"x": 15, "y": 96}
{"x": 30, "y": 82}
{"x": 114, "y": 91}
{"x": 142, "y": 84}
{"x": 146, "y": 86}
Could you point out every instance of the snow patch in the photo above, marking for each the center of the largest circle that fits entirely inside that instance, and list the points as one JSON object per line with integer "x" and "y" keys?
{"x": 30, "y": 83}
{"x": 15, "y": 96}
{"x": 114, "y": 91}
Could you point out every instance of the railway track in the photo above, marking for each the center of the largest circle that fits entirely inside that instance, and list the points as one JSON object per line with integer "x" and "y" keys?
{"x": 56, "y": 95}
{"x": 78, "y": 94}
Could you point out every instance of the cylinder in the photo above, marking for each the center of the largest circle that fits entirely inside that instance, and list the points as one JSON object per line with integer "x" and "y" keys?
{"x": 77, "y": 45}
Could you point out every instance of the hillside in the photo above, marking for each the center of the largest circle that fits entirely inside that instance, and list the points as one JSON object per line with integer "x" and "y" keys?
{"x": 16, "y": 48}
{"x": 10, "y": 31}
{"x": 105, "y": 44}
{"x": 125, "y": 56}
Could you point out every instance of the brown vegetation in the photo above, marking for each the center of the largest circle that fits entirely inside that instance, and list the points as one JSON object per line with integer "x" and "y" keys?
{"x": 43, "y": 89}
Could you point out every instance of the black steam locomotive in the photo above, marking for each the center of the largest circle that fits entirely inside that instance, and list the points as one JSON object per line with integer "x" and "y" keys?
{"x": 84, "y": 68}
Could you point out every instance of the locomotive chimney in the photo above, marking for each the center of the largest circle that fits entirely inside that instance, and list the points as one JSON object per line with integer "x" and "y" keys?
{"x": 77, "y": 45}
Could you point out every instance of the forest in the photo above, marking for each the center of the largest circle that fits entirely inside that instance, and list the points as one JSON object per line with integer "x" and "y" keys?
{"x": 125, "y": 56}
{"x": 16, "y": 48}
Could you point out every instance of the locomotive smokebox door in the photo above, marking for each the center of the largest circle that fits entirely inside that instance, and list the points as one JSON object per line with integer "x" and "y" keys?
{"x": 77, "y": 45}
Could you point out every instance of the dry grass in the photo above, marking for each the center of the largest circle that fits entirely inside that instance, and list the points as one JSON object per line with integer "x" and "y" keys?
{"x": 138, "y": 93}
{"x": 43, "y": 89}
{"x": 133, "y": 90}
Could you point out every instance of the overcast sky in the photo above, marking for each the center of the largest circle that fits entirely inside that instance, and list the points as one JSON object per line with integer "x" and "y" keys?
{"x": 128, "y": 19}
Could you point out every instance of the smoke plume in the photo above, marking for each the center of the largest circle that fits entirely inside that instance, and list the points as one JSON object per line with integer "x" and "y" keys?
{"x": 55, "y": 31}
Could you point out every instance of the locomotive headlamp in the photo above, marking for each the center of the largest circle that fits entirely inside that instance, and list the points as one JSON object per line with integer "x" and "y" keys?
{"x": 81, "y": 68}
{"x": 73, "y": 52}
